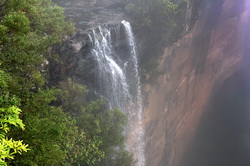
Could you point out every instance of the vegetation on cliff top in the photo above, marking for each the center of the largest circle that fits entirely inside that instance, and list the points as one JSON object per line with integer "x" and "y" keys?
{"x": 152, "y": 14}
{"x": 163, "y": 22}
{"x": 61, "y": 127}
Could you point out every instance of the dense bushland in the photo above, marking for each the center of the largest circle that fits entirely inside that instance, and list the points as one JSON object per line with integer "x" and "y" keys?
{"x": 50, "y": 125}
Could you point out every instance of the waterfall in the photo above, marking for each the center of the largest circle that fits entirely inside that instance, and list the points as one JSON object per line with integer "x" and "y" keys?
{"x": 116, "y": 78}
{"x": 110, "y": 76}
{"x": 136, "y": 135}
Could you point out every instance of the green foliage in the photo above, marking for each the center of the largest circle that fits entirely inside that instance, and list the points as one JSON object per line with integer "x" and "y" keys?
{"x": 112, "y": 122}
{"x": 72, "y": 96}
{"x": 61, "y": 126}
{"x": 103, "y": 128}
{"x": 138, "y": 13}
{"x": 50, "y": 134}
{"x": 152, "y": 14}
{"x": 16, "y": 23}
{"x": 9, "y": 118}
{"x": 165, "y": 6}
{"x": 9, "y": 147}
{"x": 121, "y": 158}
{"x": 28, "y": 30}
{"x": 4, "y": 77}
{"x": 92, "y": 135}
{"x": 91, "y": 152}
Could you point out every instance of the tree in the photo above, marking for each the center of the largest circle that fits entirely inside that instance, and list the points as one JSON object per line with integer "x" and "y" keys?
{"x": 9, "y": 147}
{"x": 103, "y": 128}
{"x": 9, "y": 118}
{"x": 151, "y": 14}
{"x": 51, "y": 135}
{"x": 28, "y": 30}
{"x": 61, "y": 127}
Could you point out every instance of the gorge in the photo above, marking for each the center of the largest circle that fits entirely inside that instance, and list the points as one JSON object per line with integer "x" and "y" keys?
{"x": 125, "y": 82}
{"x": 187, "y": 74}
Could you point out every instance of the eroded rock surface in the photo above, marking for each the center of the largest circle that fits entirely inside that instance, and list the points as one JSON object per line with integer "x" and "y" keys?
{"x": 188, "y": 71}
{"x": 92, "y": 13}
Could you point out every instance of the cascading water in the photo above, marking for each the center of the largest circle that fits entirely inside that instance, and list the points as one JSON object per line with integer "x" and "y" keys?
{"x": 117, "y": 78}
{"x": 110, "y": 76}
{"x": 135, "y": 138}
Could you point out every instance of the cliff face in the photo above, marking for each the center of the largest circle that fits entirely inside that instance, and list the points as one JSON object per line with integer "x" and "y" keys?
{"x": 92, "y": 13}
{"x": 188, "y": 72}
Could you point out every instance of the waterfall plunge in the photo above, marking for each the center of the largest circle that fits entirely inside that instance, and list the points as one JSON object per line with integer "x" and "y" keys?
{"x": 117, "y": 79}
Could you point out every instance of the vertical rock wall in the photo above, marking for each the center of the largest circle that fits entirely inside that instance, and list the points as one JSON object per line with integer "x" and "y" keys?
{"x": 188, "y": 71}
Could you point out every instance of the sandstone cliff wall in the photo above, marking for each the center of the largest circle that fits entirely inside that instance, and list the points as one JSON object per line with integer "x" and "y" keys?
{"x": 188, "y": 71}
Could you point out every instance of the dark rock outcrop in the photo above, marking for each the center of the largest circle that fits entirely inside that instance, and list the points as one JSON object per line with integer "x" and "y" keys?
{"x": 78, "y": 62}
{"x": 222, "y": 137}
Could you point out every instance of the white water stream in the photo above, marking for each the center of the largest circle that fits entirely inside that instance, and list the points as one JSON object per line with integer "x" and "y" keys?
{"x": 119, "y": 80}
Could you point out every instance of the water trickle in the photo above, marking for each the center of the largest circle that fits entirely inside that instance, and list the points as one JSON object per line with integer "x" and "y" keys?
{"x": 117, "y": 79}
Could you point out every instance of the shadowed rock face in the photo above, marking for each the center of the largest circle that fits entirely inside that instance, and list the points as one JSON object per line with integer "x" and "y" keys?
{"x": 78, "y": 61}
{"x": 188, "y": 72}
{"x": 223, "y": 137}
